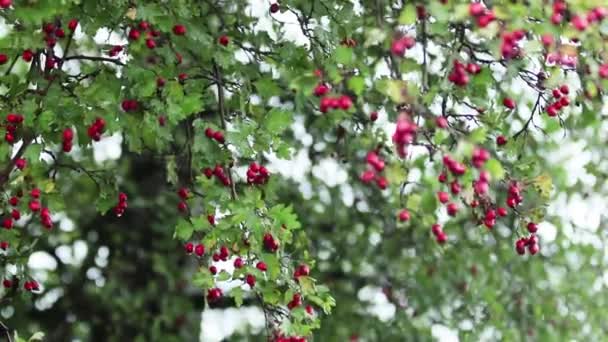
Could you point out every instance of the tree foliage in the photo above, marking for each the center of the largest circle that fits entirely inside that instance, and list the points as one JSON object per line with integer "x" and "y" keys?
{"x": 406, "y": 147}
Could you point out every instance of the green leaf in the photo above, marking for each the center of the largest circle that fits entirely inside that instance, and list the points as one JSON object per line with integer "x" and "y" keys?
{"x": 237, "y": 294}
{"x": 38, "y": 336}
{"x": 344, "y": 55}
{"x": 277, "y": 120}
{"x": 356, "y": 84}
{"x": 184, "y": 230}
{"x": 408, "y": 15}
{"x": 495, "y": 168}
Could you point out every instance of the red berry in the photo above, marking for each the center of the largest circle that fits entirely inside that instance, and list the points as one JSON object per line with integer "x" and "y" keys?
{"x": 150, "y": 43}
{"x": 261, "y": 266}
{"x": 6, "y": 283}
{"x": 442, "y": 238}
{"x": 182, "y": 77}
{"x": 73, "y": 24}
{"x": 219, "y": 137}
{"x": 59, "y": 33}
{"x": 27, "y": 55}
{"x": 373, "y": 116}
{"x": 182, "y": 206}
{"x": 404, "y": 215}
{"x": 134, "y": 34}
{"x": 501, "y": 140}
{"x": 532, "y": 227}
{"x": 238, "y": 263}
{"x": 7, "y": 223}
{"x": 214, "y": 294}
{"x": 274, "y": 8}
{"x": 189, "y": 247}
{"x": 509, "y": 103}
{"x": 183, "y": 193}
{"x": 35, "y": 193}
{"x": 441, "y": 122}
{"x": 3, "y": 58}
{"x": 179, "y": 30}
{"x": 14, "y": 201}
{"x": 564, "y": 89}
{"x": 436, "y": 229}
{"x": 15, "y": 214}
{"x": 6, "y": 3}
{"x": 476, "y": 9}
{"x": 321, "y": 89}
{"x": 533, "y": 249}
{"x": 250, "y": 280}
{"x": 224, "y": 40}
{"x": 3, "y": 245}
{"x": 443, "y": 197}
{"x": 501, "y": 211}
{"x": 20, "y": 163}
{"x": 455, "y": 187}
{"x": 199, "y": 250}
{"x": 213, "y": 269}
{"x": 345, "y": 102}
{"x": 452, "y": 209}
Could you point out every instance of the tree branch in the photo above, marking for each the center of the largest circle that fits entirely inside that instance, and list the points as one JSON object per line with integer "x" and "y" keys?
{"x": 94, "y": 58}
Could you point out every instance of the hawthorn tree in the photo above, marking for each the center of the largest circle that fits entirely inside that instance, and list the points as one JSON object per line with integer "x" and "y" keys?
{"x": 405, "y": 147}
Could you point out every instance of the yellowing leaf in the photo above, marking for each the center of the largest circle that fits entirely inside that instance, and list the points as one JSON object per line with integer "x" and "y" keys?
{"x": 544, "y": 185}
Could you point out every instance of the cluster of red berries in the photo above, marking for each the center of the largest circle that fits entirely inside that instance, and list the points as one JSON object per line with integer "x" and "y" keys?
{"x": 52, "y": 32}
{"x": 404, "y": 134}
{"x": 455, "y": 167}
{"x": 35, "y": 206}
{"x": 559, "y": 9}
{"x": 67, "y": 138}
{"x": 328, "y": 102}
{"x": 199, "y": 249}
{"x": 509, "y": 46}
{"x": 12, "y": 122}
{"x": 480, "y": 157}
{"x": 257, "y": 174}
{"x": 129, "y": 105}
{"x": 561, "y": 100}
{"x": 217, "y": 171}
{"x": 483, "y": 15}
{"x": 222, "y": 255}
{"x": 440, "y": 236}
{"x": 31, "y": 285}
{"x": 183, "y": 194}
{"x": 120, "y": 208}
{"x": 514, "y": 196}
{"x": 400, "y": 45}
{"x": 215, "y": 135}
{"x": 144, "y": 26}
{"x": 459, "y": 75}
{"x": 296, "y": 300}
{"x": 271, "y": 244}
{"x": 375, "y": 166}
{"x": 531, "y": 242}
{"x": 96, "y": 129}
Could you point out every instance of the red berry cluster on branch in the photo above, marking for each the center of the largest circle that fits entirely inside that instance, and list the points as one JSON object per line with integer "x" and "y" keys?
{"x": 31, "y": 285}
{"x": 257, "y": 174}
{"x": 215, "y": 135}
{"x": 375, "y": 167}
{"x": 343, "y": 102}
{"x": 96, "y": 129}
{"x": 400, "y": 45}
{"x": 561, "y": 100}
{"x": 459, "y": 75}
{"x": 12, "y": 123}
{"x": 483, "y": 15}
{"x": 67, "y": 137}
{"x": 404, "y": 134}
{"x": 120, "y": 208}
{"x": 531, "y": 242}
{"x": 509, "y": 46}
{"x": 440, "y": 236}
